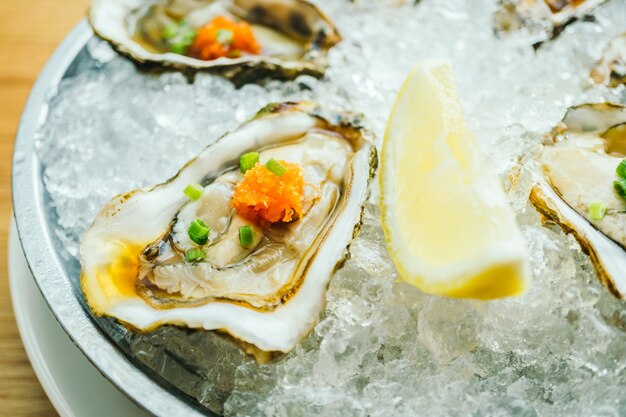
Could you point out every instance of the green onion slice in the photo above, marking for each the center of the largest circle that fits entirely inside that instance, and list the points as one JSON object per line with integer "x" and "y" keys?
{"x": 170, "y": 31}
{"x": 275, "y": 167}
{"x": 246, "y": 236}
{"x": 248, "y": 161}
{"x": 195, "y": 255}
{"x": 225, "y": 36}
{"x": 597, "y": 211}
{"x": 194, "y": 191}
{"x": 179, "y": 47}
{"x": 179, "y": 36}
{"x": 198, "y": 231}
{"x": 620, "y": 187}
{"x": 621, "y": 169}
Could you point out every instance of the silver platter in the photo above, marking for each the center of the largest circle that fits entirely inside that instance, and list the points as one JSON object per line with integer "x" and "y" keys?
{"x": 55, "y": 274}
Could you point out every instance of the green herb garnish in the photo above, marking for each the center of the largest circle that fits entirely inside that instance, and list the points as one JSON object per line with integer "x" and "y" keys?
{"x": 597, "y": 211}
{"x": 225, "y": 36}
{"x": 248, "y": 161}
{"x": 179, "y": 36}
{"x": 275, "y": 167}
{"x": 198, "y": 231}
{"x": 195, "y": 255}
{"x": 620, "y": 187}
{"x": 246, "y": 236}
{"x": 194, "y": 191}
{"x": 621, "y": 169}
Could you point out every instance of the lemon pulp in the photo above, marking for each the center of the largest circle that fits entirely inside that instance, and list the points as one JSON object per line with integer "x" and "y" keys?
{"x": 448, "y": 226}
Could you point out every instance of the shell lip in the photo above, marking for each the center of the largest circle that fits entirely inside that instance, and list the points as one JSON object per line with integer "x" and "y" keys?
{"x": 555, "y": 210}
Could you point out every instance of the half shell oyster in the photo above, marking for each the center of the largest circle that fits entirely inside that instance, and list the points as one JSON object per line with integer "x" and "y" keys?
{"x": 578, "y": 164}
{"x": 267, "y": 295}
{"x": 611, "y": 70}
{"x": 294, "y": 35}
{"x": 544, "y": 19}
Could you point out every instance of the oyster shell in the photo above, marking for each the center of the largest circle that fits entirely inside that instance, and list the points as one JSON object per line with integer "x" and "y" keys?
{"x": 544, "y": 19}
{"x": 611, "y": 70}
{"x": 578, "y": 163}
{"x": 294, "y": 35}
{"x": 267, "y": 295}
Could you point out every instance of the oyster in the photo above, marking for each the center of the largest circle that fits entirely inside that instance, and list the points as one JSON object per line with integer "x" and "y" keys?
{"x": 544, "y": 19}
{"x": 578, "y": 164}
{"x": 611, "y": 70}
{"x": 268, "y": 293}
{"x": 244, "y": 40}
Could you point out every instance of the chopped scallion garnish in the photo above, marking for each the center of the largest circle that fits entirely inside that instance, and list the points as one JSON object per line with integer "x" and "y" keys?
{"x": 198, "y": 231}
{"x": 179, "y": 47}
{"x": 246, "y": 236}
{"x": 225, "y": 36}
{"x": 195, "y": 255}
{"x": 179, "y": 36}
{"x": 621, "y": 169}
{"x": 620, "y": 187}
{"x": 194, "y": 191}
{"x": 170, "y": 31}
{"x": 275, "y": 167}
{"x": 597, "y": 211}
{"x": 248, "y": 161}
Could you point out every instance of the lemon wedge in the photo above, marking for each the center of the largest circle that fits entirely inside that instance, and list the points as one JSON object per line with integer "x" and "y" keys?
{"x": 448, "y": 226}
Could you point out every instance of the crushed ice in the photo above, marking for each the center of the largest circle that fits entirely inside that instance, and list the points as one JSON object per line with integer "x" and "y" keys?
{"x": 381, "y": 348}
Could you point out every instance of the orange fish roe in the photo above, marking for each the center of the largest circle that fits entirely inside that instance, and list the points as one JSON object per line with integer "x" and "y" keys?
{"x": 264, "y": 198}
{"x": 223, "y": 37}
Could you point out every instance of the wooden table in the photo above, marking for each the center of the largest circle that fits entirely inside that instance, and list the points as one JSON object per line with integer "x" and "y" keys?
{"x": 30, "y": 30}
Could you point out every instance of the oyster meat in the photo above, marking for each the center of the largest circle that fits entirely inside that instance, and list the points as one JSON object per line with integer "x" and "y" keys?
{"x": 543, "y": 19}
{"x": 244, "y": 40}
{"x": 578, "y": 166}
{"x": 268, "y": 293}
{"x": 611, "y": 70}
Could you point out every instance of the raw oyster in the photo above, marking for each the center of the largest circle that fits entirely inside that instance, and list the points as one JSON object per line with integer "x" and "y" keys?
{"x": 611, "y": 70}
{"x": 268, "y": 295}
{"x": 544, "y": 19}
{"x": 578, "y": 164}
{"x": 294, "y": 35}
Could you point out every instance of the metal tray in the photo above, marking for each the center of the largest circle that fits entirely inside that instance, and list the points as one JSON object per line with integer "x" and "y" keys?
{"x": 56, "y": 275}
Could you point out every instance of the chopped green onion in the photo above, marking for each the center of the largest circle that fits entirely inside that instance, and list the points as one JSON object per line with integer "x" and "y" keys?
{"x": 179, "y": 36}
{"x": 621, "y": 169}
{"x": 195, "y": 255}
{"x": 275, "y": 167}
{"x": 620, "y": 187}
{"x": 198, "y": 231}
{"x": 225, "y": 36}
{"x": 194, "y": 191}
{"x": 170, "y": 31}
{"x": 248, "y": 161}
{"x": 597, "y": 211}
{"x": 179, "y": 47}
{"x": 246, "y": 236}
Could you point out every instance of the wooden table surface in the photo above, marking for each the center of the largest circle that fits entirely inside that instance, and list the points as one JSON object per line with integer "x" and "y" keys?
{"x": 30, "y": 30}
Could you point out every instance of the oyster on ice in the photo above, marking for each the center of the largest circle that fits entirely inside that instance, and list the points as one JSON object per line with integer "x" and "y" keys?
{"x": 544, "y": 19}
{"x": 611, "y": 70}
{"x": 578, "y": 166}
{"x": 266, "y": 294}
{"x": 244, "y": 40}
